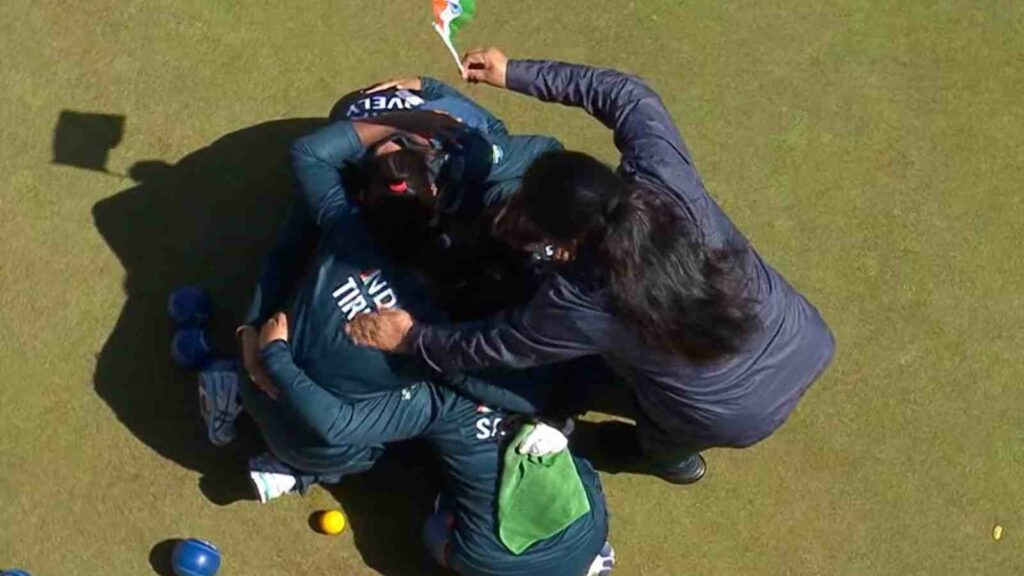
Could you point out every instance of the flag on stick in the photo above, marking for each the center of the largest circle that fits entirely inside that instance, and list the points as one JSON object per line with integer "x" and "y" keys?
{"x": 449, "y": 17}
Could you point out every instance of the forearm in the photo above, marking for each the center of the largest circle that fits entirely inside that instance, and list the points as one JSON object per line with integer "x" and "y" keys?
{"x": 303, "y": 398}
{"x": 317, "y": 160}
{"x": 471, "y": 346}
{"x": 652, "y": 147}
{"x": 606, "y": 94}
{"x": 514, "y": 338}
{"x": 372, "y": 134}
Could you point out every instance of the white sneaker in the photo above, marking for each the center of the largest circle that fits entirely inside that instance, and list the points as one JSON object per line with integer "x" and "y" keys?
{"x": 218, "y": 401}
{"x": 271, "y": 477}
{"x": 604, "y": 562}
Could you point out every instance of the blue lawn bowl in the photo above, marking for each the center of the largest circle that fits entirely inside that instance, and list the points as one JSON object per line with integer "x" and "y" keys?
{"x": 189, "y": 307}
{"x": 14, "y": 572}
{"x": 194, "y": 557}
{"x": 190, "y": 347}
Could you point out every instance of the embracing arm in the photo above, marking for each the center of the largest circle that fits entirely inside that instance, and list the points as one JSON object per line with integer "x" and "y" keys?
{"x": 650, "y": 143}
{"x": 544, "y": 330}
{"x": 379, "y": 419}
{"x": 322, "y": 413}
{"x": 317, "y": 160}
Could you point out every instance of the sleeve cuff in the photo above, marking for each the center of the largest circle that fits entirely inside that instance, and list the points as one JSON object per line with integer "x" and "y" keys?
{"x": 518, "y": 75}
{"x": 414, "y": 340}
{"x": 428, "y": 84}
{"x": 277, "y": 360}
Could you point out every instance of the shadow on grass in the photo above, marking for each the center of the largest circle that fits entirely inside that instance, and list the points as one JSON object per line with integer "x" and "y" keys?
{"x": 207, "y": 220}
{"x": 160, "y": 557}
{"x": 386, "y": 508}
{"x": 85, "y": 139}
{"x": 589, "y": 385}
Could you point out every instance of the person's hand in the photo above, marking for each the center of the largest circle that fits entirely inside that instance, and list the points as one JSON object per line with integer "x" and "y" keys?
{"x": 563, "y": 255}
{"x": 543, "y": 440}
{"x": 386, "y": 329}
{"x": 249, "y": 342}
{"x": 485, "y": 65}
{"x": 398, "y": 83}
{"x": 276, "y": 328}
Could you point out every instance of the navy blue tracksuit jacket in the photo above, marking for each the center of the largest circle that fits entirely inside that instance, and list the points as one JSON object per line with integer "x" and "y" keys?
{"x": 732, "y": 403}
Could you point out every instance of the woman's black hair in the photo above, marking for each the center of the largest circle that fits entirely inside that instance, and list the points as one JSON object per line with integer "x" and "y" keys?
{"x": 399, "y": 202}
{"x": 406, "y": 172}
{"x": 399, "y": 197}
{"x": 670, "y": 289}
{"x": 403, "y": 174}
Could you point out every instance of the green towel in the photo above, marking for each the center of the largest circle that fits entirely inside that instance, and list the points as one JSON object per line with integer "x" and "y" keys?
{"x": 539, "y": 497}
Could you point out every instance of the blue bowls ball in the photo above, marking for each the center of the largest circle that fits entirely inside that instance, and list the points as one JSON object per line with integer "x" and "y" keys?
{"x": 190, "y": 348}
{"x": 14, "y": 572}
{"x": 189, "y": 306}
{"x": 194, "y": 557}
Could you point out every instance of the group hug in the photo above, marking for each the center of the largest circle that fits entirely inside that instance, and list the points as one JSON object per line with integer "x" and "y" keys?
{"x": 437, "y": 277}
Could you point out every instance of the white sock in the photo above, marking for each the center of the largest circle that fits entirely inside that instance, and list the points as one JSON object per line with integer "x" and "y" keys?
{"x": 270, "y": 485}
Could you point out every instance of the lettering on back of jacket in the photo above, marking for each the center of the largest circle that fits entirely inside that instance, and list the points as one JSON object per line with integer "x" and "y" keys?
{"x": 369, "y": 292}
{"x": 373, "y": 105}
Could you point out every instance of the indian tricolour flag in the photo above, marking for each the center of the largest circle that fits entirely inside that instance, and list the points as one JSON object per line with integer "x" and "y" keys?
{"x": 449, "y": 17}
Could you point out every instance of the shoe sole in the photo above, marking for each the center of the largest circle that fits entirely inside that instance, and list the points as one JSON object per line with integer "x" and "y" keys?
{"x": 683, "y": 480}
{"x": 211, "y": 414}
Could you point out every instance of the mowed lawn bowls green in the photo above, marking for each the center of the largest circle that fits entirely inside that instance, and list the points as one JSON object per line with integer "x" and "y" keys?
{"x": 871, "y": 150}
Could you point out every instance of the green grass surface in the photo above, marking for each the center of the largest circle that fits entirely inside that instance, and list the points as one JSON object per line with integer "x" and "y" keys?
{"x": 871, "y": 150}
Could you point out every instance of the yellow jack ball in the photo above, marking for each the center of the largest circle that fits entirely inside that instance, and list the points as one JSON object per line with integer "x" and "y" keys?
{"x": 332, "y": 522}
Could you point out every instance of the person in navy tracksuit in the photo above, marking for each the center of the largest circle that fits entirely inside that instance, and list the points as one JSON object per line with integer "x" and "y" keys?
{"x": 717, "y": 346}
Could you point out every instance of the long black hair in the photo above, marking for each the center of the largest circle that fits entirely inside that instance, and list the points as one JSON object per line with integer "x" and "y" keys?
{"x": 670, "y": 289}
